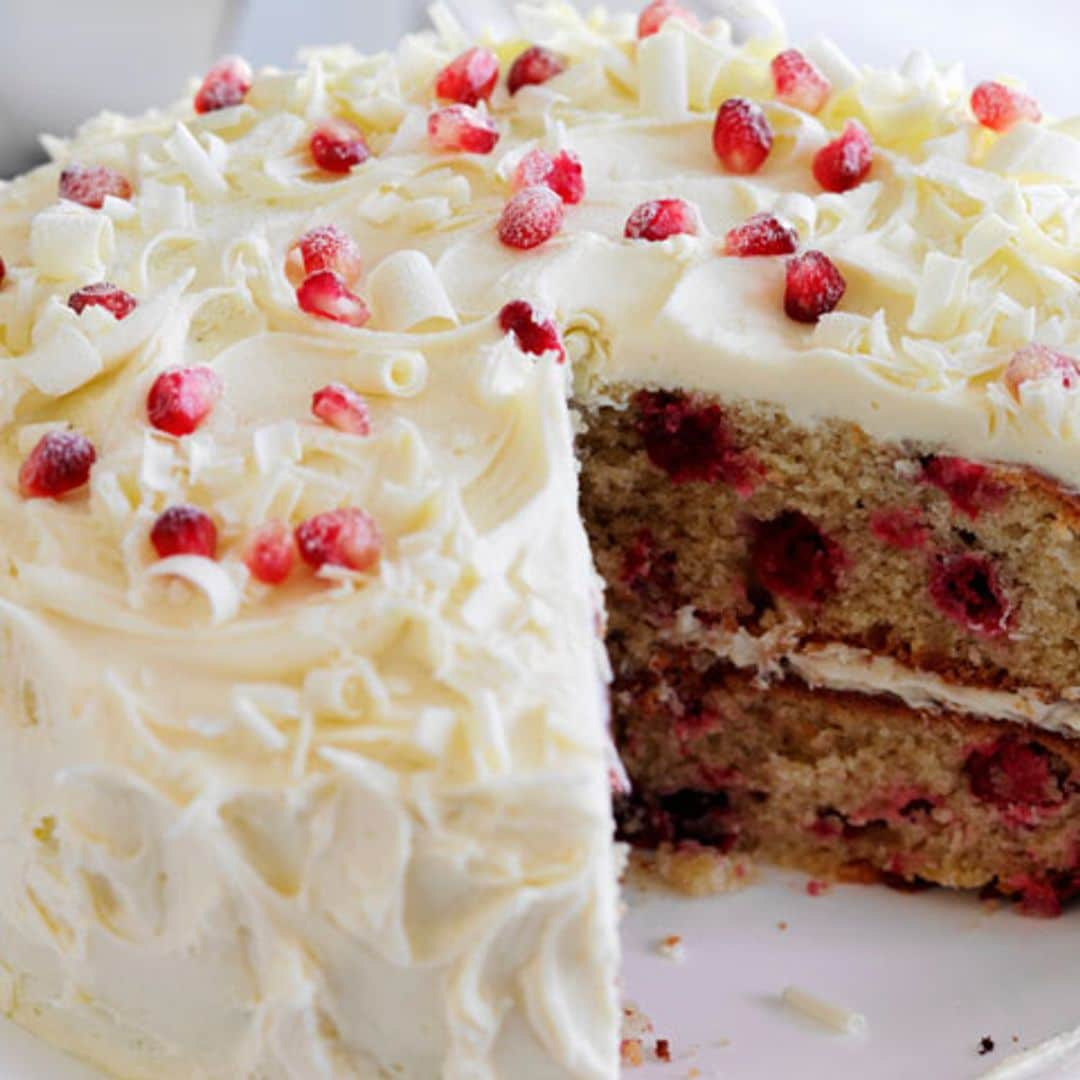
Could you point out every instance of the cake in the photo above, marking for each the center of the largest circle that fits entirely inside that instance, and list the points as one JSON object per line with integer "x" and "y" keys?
{"x": 324, "y": 394}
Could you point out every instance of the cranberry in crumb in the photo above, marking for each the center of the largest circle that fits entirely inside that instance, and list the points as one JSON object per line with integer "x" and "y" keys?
{"x": 101, "y": 294}
{"x": 845, "y": 162}
{"x": 742, "y": 137}
{"x": 793, "y": 558}
{"x": 798, "y": 81}
{"x": 1017, "y": 772}
{"x": 663, "y": 1050}
{"x": 325, "y": 295}
{"x": 3, "y": 271}
{"x": 966, "y": 588}
{"x": 1000, "y": 107}
{"x": 535, "y": 66}
{"x": 181, "y": 399}
{"x": 1035, "y": 362}
{"x": 184, "y": 530}
{"x": 337, "y": 145}
{"x": 59, "y": 463}
{"x": 532, "y": 217}
{"x": 347, "y": 537}
{"x": 325, "y": 247}
{"x": 653, "y": 17}
{"x": 763, "y": 234}
{"x": 461, "y": 127}
{"x": 562, "y": 173}
{"x": 469, "y": 78}
{"x": 661, "y": 219}
{"x": 342, "y": 408}
{"x": 971, "y": 487}
{"x": 535, "y": 334}
{"x": 90, "y": 185}
{"x": 271, "y": 554}
{"x": 900, "y": 527}
{"x": 813, "y": 287}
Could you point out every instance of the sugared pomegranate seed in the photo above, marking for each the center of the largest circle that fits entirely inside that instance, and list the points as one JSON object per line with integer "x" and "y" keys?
{"x": 1000, "y": 107}
{"x": 90, "y": 184}
{"x": 326, "y": 295}
{"x": 59, "y": 463}
{"x": 184, "y": 530}
{"x": 845, "y": 162}
{"x": 180, "y": 400}
{"x": 798, "y": 81}
{"x": 1034, "y": 362}
{"x": 763, "y": 234}
{"x": 461, "y": 127}
{"x": 530, "y": 218}
{"x": 271, "y": 554}
{"x": 325, "y": 247}
{"x": 562, "y": 173}
{"x": 337, "y": 145}
{"x": 343, "y": 408}
{"x": 742, "y": 137}
{"x": 661, "y": 219}
{"x": 118, "y": 303}
{"x": 792, "y": 557}
{"x": 966, "y": 588}
{"x": 534, "y": 67}
{"x": 226, "y": 84}
{"x": 813, "y": 288}
{"x": 658, "y": 12}
{"x": 1015, "y": 772}
{"x": 470, "y": 78}
{"x": 971, "y": 487}
{"x": 347, "y": 537}
{"x": 535, "y": 334}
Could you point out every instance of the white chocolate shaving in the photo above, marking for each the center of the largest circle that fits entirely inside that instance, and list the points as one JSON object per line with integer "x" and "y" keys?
{"x": 68, "y": 241}
{"x": 835, "y": 1017}
{"x": 406, "y": 294}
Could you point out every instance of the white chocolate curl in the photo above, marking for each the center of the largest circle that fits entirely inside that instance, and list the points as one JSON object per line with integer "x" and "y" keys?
{"x": 67, "y": 241}
{"x": 398, "y": 374}
{"x": 663, "y": 86}
{"x": 407, "y": 295}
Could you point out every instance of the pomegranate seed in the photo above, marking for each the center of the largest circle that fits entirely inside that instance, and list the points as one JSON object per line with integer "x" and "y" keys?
{"x": 1034, "y": 362}
{"x": 661, "y": 219}
{"x": 1016, "y": 772}
{"x": 184, "y": 530}
{"x": 461, "y": 127}
{"x": 1000, "y": 107}
{"x": 561, "y": 173}
{"x": 337, "y": 145}
{"x": 326, "y": 295}
{"x": 845, "y": 162}
{"x": 971, "y": 487}
{"x": 534, "y": 67}
{"x": 271, "y": 554}
{"x": 90, "y": 184}
{"x": 742, "y": 137}
{"x": 534, "y": 333}
{"x": 347, "y": 537}
{"x": 117, "y": 302}
{"x": 966, "y": 588}
{"x": 531, "y": 217}
{"x": 658, "y": 12}
{"x": 763, "y": 234}
{"x": 792, "y": 557}
{"x": 814, "y": 287}
{"x": 59, "y": 463}
{"x": 226, "y": 84}
{"x": 180, "y": 400}
{"x": 325, "y": 247}
{"x": 470, "y": 78}
{"x": 343, "y": 408}
{"x": 798, "y": 82}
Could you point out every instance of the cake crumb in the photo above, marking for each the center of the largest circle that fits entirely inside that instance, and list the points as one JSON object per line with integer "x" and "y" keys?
{"x": 836, "y": 1017}
{"x": 672, "y": 948}
{"x": 814, "y": 887}
{"x": 986, "y": 1045}
{"x": 695, "y": 870}
{"x": 693, "y": 1074}
{"x": 663, "y": 1050}
{"x": 631, "y": 1054}
{"x": 781, "y": 925}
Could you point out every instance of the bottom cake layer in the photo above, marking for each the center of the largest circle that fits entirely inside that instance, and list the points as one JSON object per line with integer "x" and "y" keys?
{"x": 846, "y": 785}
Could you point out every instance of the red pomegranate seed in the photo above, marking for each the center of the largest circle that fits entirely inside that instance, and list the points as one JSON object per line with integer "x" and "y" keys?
{"x": 661, "y": 219}
{"x": 742, "y": 137}
{"x": 184, "y": 530}
{"x": 90, "y": 184}
{"x": 469, "y": 78}
{"x": 1034, "y": 362}
{"x": 59, "y": 463}
{"x": 326, "y": 295}
{"x": 226, "y": 84}
{"x": 1000, "y": 107}
{"x": 337, "y": 145}
{"x": 966, "y": 589}
{"x": 658, "y": 12}
{"x": 271, "y": 554}
{"x": 845, "y": 162}
{"x": 814, "y": 287}
{"x": 763, "y": 234}
{"x": 118, "y": 303}
{"x": 343, "y": 408}
{"x": 561, "y": 173}
{"x": 534, "y": 67}
{"x": 530, "y": 218}
{"x": 971, "y": 487}
{"x": 793, "y": 558}
{"x": 1015, "y": 772}
{"x": 798, "y": 82}
{"x": 181, "y": 399}
{"x": 347, "y": 537}
{"x": 325, "y": 247}
{"x": 461, "y": 127}
{"x": 535, "y": 334}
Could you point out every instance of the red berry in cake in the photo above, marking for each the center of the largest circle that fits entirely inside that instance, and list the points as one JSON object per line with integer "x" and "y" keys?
{"x": 1016, "y": 772}
{"x": 1035, "y": 362}
{"x": 325, "y": 247}
{"x": 971, "y": 487}
{"x": 226, "y": 84}
{"x": 653, "y": 17}
{"x": 59, "y": 463}
{"x": 798, "y": 81}
{"x": 966, "y": 588}
{"x": 342, "y": 408}
{"x": 337, "y": 145}
{"x": 347, "y": 537}
{"x": 181, "y": 399}
{"x": 534, "y": 67}
{"x": 562, "y": 173}
{"x": 742, "y": 137}
{"x": 793, "y": 558}
{"x": 469, "y": 78}
{"x": 900, "y": 527}
{"x": 532, "y": 217}
{"x": 3, "y": 271}
{"x": 813, "y": 287}
{"x": 1000, "y": 107}
{"x": 650, "y": 573}
{"x": 118, "y": 303}
{"x": 184, "y": 530}
{"x": 845, "y": 162}
{"x": 89, "y": 185}
{"x": 325, "y": 295}
{"x": 271, "y": 553}
{"x": 535, "y": 334}
{"x": 660, "y": 219}
{"x": 763, "y": 234}
{"x": 461, "y": 127}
